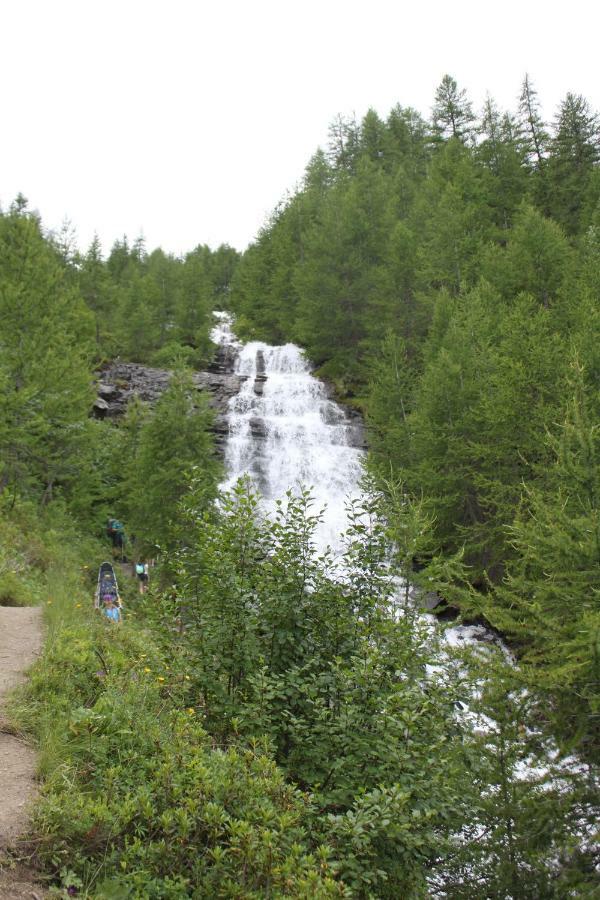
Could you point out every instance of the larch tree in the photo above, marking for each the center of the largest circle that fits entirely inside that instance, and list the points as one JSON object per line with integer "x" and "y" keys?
{"x": 452, "y": 112}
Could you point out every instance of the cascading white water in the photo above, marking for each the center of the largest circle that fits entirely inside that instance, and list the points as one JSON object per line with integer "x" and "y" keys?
{"x": 285, "y": 433}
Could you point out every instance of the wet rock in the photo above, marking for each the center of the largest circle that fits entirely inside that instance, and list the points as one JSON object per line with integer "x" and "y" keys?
{"x": 259, "y": 385}
{"x": 222, "y": 387}
{"x": 258, "y": 428}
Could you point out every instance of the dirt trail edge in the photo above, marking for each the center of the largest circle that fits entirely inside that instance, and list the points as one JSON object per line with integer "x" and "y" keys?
{"x": 21, "y": 637}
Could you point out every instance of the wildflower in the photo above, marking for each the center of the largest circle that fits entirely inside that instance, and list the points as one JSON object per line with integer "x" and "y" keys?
{"x": 101, "y": 673}
{"x": 146, "y": 669}
{"x": 160, "y": 678}
{"x": 187, "y": 677}
{"x": 78, "y": 606}
{"x": 191, "y": 711}
{"x": 48, "y": 602}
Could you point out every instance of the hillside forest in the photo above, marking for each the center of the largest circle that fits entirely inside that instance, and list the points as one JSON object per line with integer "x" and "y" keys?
{"x": 259, "y": 726}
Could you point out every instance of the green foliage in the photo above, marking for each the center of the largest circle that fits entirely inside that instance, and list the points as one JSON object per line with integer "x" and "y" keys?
{"x": 14, "y": 591}
{"x": 534, "y": 806}
{"x": 160, "y": 451}
{"x": 280, "y": 646}
{"x": 452, "y": 112}
{"x": 154, "y": 308}
{"x": 45, "y": 375}
{"x": 550, "y": 599}
{"x": 137, "y": 802}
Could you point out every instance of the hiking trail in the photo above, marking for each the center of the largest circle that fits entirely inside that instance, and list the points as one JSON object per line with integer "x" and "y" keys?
{"x": 21, "y": 637}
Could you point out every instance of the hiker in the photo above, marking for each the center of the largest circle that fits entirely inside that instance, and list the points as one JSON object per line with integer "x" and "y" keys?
{"x": 116, "y": 534}
{"x": 111, "y": 610}
{"x": 142, "y": 572}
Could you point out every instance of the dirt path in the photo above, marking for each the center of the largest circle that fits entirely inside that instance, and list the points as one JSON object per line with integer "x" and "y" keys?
{"x": 21, "y": 636}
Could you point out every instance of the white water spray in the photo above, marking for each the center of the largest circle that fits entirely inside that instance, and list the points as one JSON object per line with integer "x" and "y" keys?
{"x": 285, "y": 433}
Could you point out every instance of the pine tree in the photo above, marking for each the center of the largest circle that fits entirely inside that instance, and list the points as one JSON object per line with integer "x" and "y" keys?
{"x": 550, "y": 601}
{"x": 536, "y": 137}
{"x": 575, "y": 151}
{"x": 96, "y": 290}
{"x": 175, "y": 440}
{"x": 45, "y": 334}
{"x": 502, "y": 153}
{"x": 452, "y": 113}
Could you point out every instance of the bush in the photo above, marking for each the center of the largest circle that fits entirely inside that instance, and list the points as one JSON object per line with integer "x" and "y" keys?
{"x": 14, "y": 591}
{"x": 138, "y": 802}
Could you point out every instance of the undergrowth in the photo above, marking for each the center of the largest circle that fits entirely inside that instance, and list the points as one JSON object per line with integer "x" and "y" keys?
{"x": 136, "y": 800}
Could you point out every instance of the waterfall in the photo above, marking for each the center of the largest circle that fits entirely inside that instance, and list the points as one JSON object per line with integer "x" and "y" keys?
{"x": 285, "y": 433}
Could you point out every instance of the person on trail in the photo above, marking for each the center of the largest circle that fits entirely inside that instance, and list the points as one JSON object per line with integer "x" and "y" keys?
{"x": 112, "y": 611}
{"x": 116, "y": 534}
{"x": 141, "y": 570}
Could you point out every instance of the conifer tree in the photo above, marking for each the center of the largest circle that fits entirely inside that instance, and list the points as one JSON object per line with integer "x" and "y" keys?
{"x": 550, "y": 601}
{"x": 45, "y": 334}
{"x": 174, "y": 440}
{"x": 96, "y": 290}
{"x": 536, "y": 137}
{"x": 452, "y": 112}
{"x": 575, "y": 151}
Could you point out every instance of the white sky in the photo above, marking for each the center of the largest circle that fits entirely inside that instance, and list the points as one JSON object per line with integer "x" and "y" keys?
{"x": 188, "y": 120}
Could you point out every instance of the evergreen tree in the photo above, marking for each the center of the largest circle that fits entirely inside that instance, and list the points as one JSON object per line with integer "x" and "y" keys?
{"x": 344, "y": 143}
{"x": 452, "y": 113}
{"x": 95, "y": 289}
{"x": 550, "y": 601}
{"x": 45, "y": 334}
{"x": 536, "y": 137}
{"x": 502, "y": 153}
{"x": 537, "y": 259}
{"x": 335, "y": 287}
{"x": 575, "y": 152}
{"x": 174, "y": 441}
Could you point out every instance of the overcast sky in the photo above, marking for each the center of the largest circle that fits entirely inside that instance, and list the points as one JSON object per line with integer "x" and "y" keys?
{"x": 188, "y": 120}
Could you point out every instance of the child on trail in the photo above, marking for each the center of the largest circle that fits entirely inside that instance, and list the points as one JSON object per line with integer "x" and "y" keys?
{"x": 142, "y": 571}
{"x": 111, "y": 611}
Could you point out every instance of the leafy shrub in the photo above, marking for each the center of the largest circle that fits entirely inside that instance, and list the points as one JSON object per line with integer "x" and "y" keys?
{"x": 138, "y": 802}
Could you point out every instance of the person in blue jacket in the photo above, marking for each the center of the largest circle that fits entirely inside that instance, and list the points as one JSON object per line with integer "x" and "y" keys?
{"x": 111, "y": 610}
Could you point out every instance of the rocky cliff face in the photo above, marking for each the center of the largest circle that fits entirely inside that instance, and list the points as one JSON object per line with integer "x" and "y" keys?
{"x": 119, "y": 382}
